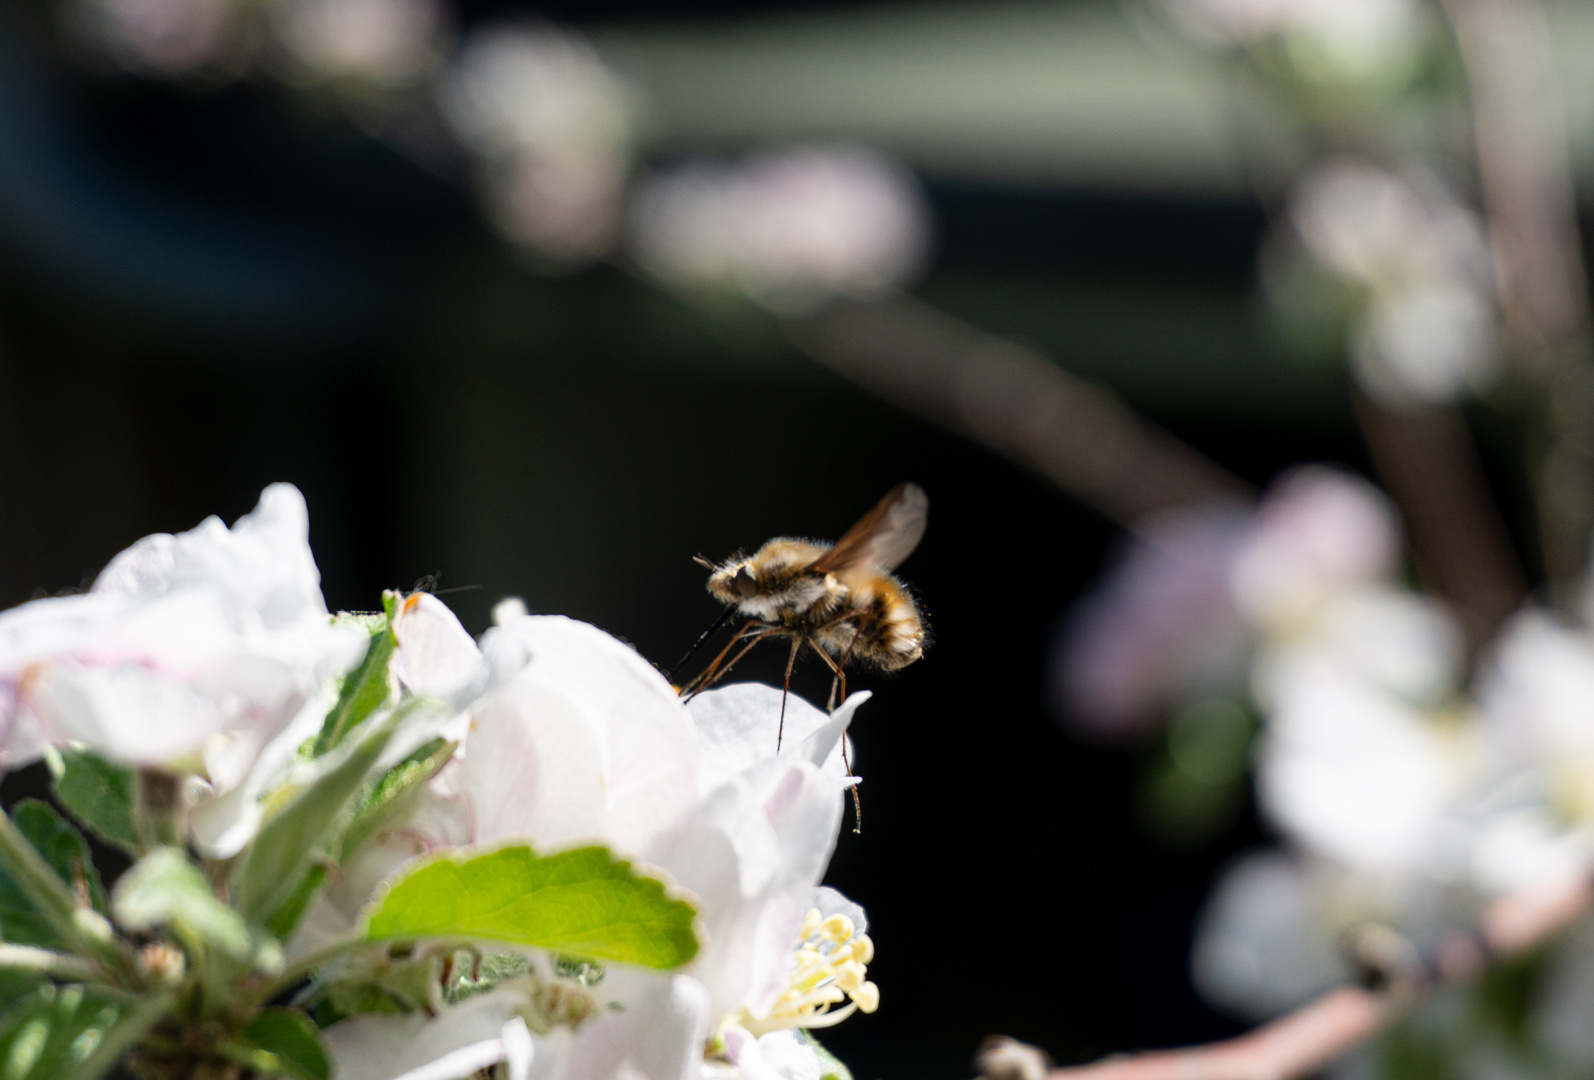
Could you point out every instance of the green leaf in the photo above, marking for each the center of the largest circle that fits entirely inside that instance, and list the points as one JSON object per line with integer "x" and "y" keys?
{"x": 39, "y": 907}
{"x": 365, "y": 689}
{"x": 66, "y": 853}
{"x": 16, "y": 985}
{"x": 583, "y": 901}
{"x": 98, "y": 794}
{"x": 382, "y": 797}
{"x": 132, "y": 1024}
{"x": 375, "y": 805}
{"x": 62, "y": 846}
{"x": 53, "y": 1033}
{"x": 291, "y": 1039}
{"x": 282, "y": 921}
{"x": 352, "y": 999}
{"x": 20, "y": 922}
{"x": 165, "y": 889}
{"x": 272, "y": 872}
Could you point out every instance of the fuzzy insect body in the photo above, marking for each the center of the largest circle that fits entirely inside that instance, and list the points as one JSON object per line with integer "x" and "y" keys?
{"x": 839, "y": 599}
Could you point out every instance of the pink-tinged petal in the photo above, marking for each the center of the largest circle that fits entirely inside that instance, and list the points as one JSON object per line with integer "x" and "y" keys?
{"x": 1319, "y": 531}
{"x": 436, "y": 656}
{"x": 1160, "y": 626}
{"x": 743, "y": 1051}
{"x": 131, "y": 714}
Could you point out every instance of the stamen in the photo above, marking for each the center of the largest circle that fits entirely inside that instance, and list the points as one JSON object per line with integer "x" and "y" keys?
{"x": 828, "y": 968}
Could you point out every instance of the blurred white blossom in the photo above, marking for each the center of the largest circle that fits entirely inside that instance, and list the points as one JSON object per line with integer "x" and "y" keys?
{"x": 1161, "y": 627}
{"x": 158, "y": 37}
{"x": 1318, "y": 532}
{"x": 1265, "y": 941}
{"x": 786, "y": 230}
{"x": 1198, "y": 592}
{"x": 1424, "y": 327}
{"x": 553, "y": 126}
{"x": 383, "y": 42}
{"x": 1374, "y": 40}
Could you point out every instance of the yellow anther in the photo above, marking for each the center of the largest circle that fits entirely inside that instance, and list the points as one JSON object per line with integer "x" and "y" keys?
{"x": 827, "y": 969}
{"x": 850, "y": 976}
{"x": 837, "y": 928}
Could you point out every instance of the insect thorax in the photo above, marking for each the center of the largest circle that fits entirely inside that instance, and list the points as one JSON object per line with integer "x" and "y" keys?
{"x": 777, "y": 584}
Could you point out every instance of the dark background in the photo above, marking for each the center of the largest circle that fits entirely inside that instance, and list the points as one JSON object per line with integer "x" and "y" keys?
{"x": 204, "y": 292}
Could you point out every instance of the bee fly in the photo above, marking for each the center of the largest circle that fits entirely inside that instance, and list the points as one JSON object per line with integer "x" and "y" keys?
{"x": 838, "y": 599}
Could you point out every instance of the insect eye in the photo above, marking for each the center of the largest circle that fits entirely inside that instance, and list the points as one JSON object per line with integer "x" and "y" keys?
{"x": 746, "y": 584}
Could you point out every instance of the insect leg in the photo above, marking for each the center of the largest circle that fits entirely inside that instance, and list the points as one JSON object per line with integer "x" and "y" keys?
{"x": 841, "y": 667}
{"x": 714, "y": 664}
{"x": 709, "y": 678}
{"x": 835, "y": 675}
{"x": 713, "y": 629}
{"x": 839, "y": 674}
{"x": 785, "y": 690}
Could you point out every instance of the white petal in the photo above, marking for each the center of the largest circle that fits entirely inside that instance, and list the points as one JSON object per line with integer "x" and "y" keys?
{"x": 752, "y": 855}
{"x": 382, "y": 1046}
{"x": 582, "y": 738}
{"x": 131, "y": 714}
{"x": 1356, "y": 774}
{"x": 1262, "y": 945}
{"x": 736, "y": 728}
{"x": 1319, "y": 531}
{"x": 519, "y": 1051}
{"x": 436, "y": 656}
{"x": 658, "y": 1035}
{"x": 263, "y": 564}
{"x": 831, "y": 902}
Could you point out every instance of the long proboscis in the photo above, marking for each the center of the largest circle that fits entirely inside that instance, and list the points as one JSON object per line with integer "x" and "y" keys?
{"x": 713, "y": 629}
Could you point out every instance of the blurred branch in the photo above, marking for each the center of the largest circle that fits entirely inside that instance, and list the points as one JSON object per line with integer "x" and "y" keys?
{"x": 1429, "y": 464}
{"x": 1302, "y": 1042}
{"x": 1520, "y": 140}
{"x": 1014, "y": 401}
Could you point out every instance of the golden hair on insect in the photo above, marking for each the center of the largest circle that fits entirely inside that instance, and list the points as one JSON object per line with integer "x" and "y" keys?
{"x": 839, "y": 600}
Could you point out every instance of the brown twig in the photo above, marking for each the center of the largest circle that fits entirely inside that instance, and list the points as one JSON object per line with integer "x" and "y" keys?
{"x": 1302, "y": 1042}
{"x": 1015, "y": 401}
{"x": 1428, "y": 462}
{"x": 1520, "y": 141}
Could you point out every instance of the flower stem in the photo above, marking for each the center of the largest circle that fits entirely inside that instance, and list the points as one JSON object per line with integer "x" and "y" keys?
{"x": 46, "y": 962}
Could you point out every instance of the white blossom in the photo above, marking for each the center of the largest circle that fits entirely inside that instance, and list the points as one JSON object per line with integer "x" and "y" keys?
{"x": 1318, "y": 532}
{"x": 786, "y": 230}
{"x": 190, "y": 652}
{"x": 1265, "y": 943}
{"x": 385, "y": 42}
{"x": 553, "y": 126}
{"x": 1160, "y": 628}
{"x": 160, "y": 37}
{"x": 1425, "y": 330}
{"x": 575, "y": 738}
{"x": 1375, "y": 40}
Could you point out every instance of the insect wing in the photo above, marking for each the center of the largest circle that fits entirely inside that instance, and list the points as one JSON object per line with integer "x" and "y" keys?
{"x": 883, "y": 537}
